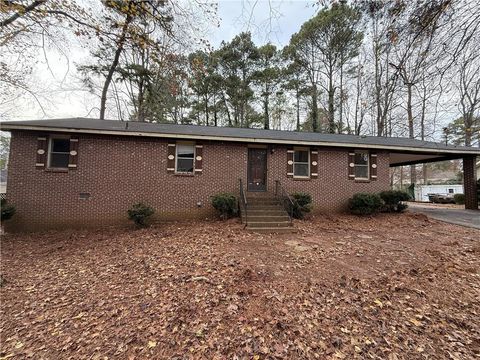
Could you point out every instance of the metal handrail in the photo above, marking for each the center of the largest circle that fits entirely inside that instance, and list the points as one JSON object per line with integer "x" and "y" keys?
{"x": 285, "y": 199}
{"x": 243, "y": 200}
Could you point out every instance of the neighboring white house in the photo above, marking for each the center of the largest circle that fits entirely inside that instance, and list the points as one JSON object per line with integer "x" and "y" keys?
{"x": 3, "y": 181}
{"x": 422, "y": 191}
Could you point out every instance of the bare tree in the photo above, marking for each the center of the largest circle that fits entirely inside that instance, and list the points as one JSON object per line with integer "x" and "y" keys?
{"x": 468, "y": 85}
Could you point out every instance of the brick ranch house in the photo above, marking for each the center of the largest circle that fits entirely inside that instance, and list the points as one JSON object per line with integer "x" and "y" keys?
{"x": 87, "y": 172}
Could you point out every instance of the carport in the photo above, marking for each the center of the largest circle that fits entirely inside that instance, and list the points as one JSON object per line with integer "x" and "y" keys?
{"x": 433, "y": 152}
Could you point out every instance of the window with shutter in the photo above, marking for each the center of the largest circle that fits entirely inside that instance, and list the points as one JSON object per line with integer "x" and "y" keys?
{"x": 42, "y": 149}
{"x": 301, "y": 163}
{"x": 171, "y": 157}
{"x": 290, "y": 152}
{"x": 198, "y": 159}
{"x": 59, "y": 152}
{"x": 314, "y": 163}
{"x": 373, "y": 166}
{"x": 73, "y": 159}
{"x": 362, "y": 165}
{"x": 185, "y": 163}
{"x": 351, "y": 165}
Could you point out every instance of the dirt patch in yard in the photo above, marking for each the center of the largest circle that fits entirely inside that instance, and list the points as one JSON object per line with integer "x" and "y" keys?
{"x": 389, "y": 287}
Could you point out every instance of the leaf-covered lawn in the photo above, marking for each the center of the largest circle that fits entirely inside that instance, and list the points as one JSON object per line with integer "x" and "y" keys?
{"x": 391, "y": 287}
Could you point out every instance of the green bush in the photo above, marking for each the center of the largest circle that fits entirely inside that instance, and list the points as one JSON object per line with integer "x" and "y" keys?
{"x": 459, "y": 199}
{"x": 365, "y": 204}
{"x": 7, "y": 210}
{"x": 393, "y": 200}
{"x": 302, "y": 204}
{"x": 226, "y": 205}
{"x": 140, "y": 213}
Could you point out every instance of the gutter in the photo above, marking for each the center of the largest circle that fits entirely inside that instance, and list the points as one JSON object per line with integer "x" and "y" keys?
{"x": 241, "y": 139}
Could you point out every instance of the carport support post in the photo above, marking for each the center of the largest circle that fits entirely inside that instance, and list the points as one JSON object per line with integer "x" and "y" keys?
{"x": 470, "y": 183}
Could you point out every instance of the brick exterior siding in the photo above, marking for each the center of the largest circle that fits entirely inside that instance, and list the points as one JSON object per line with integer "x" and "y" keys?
{"x": 119, "y": 171}
{"x": 332, "y": 189}
{"x": 470, "y": 183}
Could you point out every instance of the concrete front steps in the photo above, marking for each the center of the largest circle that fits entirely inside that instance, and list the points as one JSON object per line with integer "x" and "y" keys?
{"x": 266, "y": 215}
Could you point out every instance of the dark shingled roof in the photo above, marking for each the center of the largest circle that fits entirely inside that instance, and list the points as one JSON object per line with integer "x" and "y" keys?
{"x": 231, "y": 134}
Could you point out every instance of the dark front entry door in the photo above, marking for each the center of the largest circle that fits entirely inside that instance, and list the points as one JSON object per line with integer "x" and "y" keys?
{"x": 257, "y": 169}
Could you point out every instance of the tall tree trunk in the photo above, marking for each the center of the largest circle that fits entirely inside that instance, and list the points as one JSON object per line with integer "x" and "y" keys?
{"x": 331, "y": 98}
{"x": 298, "y": 108}
{"x": 113, "y": 66}
{"x": 468, "y": 122}
{"x": 229, "y": 117}
{"x": 380, "y": 121}
{"x": 422, "y": 132}
{"x": 206, "y": 111}
{"x": 215, "y": 120}
{"x": 401, "y": 177}
{"x": 235, "y": 116}
{"x": 243, "y": 99}
{"x": 411, "y": 134}
{"x": 314, "y": 109}
{"x": 266, "y": 124}
{"x": 141, "y": 110}
{"x": 357, "y": 103}
{"x": 340, "y": 115}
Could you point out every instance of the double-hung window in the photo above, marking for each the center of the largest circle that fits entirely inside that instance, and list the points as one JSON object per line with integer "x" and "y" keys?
{"x": 301, "y": 163}
{"x": 59, "y": 152}
{"x": 185, "y": 162}
{"x": 362, "y": 165}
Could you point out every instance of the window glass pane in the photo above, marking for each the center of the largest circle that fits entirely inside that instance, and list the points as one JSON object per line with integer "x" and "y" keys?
{"x": 361, "y": 158}
{"x": 361, "y": 171}
{"x": 300, "y": 170}
{"x": 184, "y": 165}
{"x": 300, "y": 156}
{"x": 59, "y": 160}
{"x": 185, "y": 151}
{"x": 61, "y": 145}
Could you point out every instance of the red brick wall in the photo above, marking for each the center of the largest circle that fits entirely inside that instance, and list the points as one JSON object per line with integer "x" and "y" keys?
{"x": 119, "y": 171}
{"x": 470, "y": 183}
{"x": 332, "y": 189}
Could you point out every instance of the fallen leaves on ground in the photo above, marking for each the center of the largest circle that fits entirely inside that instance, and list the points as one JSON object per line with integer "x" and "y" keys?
{"x": 342, "y": 287}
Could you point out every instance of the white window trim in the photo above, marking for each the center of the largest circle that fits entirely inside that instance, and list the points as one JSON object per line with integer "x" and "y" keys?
{"x": 50, "y": 152}
{"x": 194, "y": 157}
{"x": 367, "y": 165}
{"x": 308, "y": 162}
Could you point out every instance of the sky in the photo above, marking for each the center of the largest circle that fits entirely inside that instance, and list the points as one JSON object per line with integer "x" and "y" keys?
{"x": 59, "y": 88}
{"x": 269, "y": 21}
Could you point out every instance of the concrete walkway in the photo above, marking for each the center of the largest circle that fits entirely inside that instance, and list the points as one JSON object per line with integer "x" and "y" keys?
{"x": 469, "y": 218}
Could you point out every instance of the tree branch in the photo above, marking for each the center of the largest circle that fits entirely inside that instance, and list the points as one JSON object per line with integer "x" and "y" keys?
{"x": 26, "y": 10}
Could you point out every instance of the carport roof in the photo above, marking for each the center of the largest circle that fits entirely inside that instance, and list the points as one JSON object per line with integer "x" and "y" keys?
{"x": 425, "y": 150}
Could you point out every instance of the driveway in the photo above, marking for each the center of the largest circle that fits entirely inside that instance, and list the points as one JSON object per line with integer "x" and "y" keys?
{"x": 469, "y": 218}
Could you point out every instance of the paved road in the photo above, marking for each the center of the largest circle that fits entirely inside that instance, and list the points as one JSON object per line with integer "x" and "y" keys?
{"x": 469, "y": 218}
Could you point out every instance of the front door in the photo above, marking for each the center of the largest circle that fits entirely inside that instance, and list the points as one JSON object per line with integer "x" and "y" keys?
{"x": 257, "y": 169}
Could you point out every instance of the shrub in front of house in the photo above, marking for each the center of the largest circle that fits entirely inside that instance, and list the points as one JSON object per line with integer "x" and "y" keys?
{"x": 226, "y": 205}
{"x": 393, "y": 200}
{"x": 459, "y": 199}
{"x": 8, "y": 210}
{"x": 140, "y": 213}
{"x": 302, "y": 204}
{"x": 365, "y": 204}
